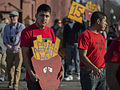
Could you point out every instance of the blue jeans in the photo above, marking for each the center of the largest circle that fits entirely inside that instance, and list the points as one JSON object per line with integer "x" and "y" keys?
{"x": 33, "y": 85}
{"x": 88, "y": 82}
{"x": 72, "y": 52}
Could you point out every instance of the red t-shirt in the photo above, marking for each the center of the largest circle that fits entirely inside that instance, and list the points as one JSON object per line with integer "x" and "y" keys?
{"x": 95, "y": 45}
{"x": 29, "y": 34}
{"x": 113, "y": 53}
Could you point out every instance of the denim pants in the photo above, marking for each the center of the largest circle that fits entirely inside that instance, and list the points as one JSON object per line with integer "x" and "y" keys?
{"x": 88, "y": 82}
{"x": 14, "y": 63}
{"x": 33, "y": 85}
{"x": 72, "y": 52}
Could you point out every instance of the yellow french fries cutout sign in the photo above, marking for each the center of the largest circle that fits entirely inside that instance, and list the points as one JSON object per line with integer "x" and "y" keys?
{"x": 45, "y": 50}
{"x": 76, "y": 12}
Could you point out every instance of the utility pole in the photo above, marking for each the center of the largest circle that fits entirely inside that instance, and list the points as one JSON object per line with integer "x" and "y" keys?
{"x": 104, "y": 6}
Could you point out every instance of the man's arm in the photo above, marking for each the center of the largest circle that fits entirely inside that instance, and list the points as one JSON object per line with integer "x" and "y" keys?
{"x": 88, "y": 63}
{"x": 28, "y": 65}
{"x": 5, "y": 39}
{"x": 61, "y": 73}
{"x": 8, "y": 46}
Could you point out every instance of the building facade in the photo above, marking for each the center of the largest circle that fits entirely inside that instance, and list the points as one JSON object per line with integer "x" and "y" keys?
{"x": 27, "y": 8}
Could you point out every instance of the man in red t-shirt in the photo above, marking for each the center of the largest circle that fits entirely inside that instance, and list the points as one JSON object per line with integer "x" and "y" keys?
{"x": 28, "y": 35}
{"x": 91, "y": 46}
{"x": 112, "y": 57}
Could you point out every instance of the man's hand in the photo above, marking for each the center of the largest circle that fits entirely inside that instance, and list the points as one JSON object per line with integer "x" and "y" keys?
{"x": 61, "y": 74}
{"x": 15, "y": 48}
{"x": 9, "y": 47}
{"x": 97, "y": 73}
{"x": 34, "y": 77}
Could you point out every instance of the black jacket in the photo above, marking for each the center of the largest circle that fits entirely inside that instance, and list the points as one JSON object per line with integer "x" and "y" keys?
{"x": 70, "y": 36}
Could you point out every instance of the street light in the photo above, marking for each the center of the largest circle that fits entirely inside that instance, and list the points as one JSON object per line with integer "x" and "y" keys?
{"x": 111, "y": 10}
{"x": 111, "y": 15}
{"x": 114, "y": 17}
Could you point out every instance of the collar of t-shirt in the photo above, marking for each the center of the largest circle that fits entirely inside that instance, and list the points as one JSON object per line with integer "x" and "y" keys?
{"x": 71, "y": 24}
{"x": 93, "y": 30}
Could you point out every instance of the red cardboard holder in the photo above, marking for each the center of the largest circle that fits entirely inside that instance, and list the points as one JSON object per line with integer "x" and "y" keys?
{"x": 48, "y": 71}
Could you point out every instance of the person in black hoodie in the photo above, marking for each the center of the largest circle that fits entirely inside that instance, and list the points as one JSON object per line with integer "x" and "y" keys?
{"x": 70, "y": 35}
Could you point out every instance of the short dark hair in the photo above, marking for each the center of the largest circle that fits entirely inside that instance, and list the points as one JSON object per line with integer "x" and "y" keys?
{"x": 97, "y": 15}
{"x": 44, "y": 8}
{"x": 56, "y": 21}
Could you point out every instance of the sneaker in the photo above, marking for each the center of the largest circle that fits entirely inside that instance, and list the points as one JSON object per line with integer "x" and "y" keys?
{"x": 70, "y": 77}
{"x": 10, "y": 86}
{"x": 78, "y": 77}
{"x": 15, "y": 87}
{"x": 2, "y": 79}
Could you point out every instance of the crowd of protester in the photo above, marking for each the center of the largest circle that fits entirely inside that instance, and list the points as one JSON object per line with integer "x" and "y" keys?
{"x": 76, "y": 50}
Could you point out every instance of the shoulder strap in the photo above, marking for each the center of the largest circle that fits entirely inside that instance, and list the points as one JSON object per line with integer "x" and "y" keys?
{"x": 17, "y": 28}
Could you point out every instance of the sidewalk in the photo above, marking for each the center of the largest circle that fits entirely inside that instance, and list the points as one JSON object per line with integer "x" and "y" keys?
{"x": 71, "y": 85}
{"x": 65, "y": 85}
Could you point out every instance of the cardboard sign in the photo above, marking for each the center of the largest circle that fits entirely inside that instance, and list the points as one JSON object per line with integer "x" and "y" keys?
{"x": 76, "y": 12}
{"x": 46, "y": 63}
{"x": 48, "y": 71}
{"x": 45, "y": 50}
{"x": 92, "y": 7}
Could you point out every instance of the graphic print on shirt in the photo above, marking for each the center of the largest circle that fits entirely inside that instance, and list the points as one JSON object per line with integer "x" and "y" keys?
{"x": 100, "y": 43}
